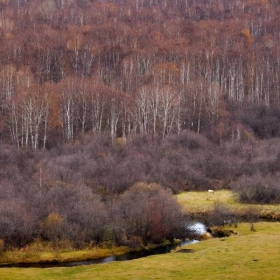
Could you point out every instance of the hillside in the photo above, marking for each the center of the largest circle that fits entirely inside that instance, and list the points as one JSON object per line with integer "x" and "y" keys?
{"x": 136, "y": 68}
{"x": 108, "y": 108}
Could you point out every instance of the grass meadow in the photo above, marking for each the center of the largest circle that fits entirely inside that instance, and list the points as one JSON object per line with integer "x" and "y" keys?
{"x": 203, "y": 202}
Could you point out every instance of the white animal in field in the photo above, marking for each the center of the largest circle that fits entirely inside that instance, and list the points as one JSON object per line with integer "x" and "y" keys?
{"x": 211, "y": 191}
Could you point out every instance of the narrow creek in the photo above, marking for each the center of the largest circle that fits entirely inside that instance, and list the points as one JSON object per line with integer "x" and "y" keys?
{"x": 199, "y": 228}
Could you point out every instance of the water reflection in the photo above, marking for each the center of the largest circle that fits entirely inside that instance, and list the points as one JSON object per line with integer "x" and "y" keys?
{"x": 198, "y": 228}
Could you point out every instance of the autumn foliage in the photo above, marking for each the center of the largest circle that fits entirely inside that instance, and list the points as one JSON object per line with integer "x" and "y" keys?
{"x": 97, "y": 96}
{"x": 132, "y": 67}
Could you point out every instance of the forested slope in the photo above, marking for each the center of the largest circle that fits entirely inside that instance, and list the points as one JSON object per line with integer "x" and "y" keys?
{"x": 136, "y": 67}
{"x": 96, "y": 96}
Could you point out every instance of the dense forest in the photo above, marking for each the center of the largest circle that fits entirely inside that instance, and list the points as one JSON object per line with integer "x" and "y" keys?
{"x": 109, "y": 107}
{"x": 137, "y": 67}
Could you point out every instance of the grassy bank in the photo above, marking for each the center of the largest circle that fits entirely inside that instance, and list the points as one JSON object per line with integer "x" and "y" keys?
{"x": 248, "y": 255}
{"x": 36, "y": 252}
{"x": 202, "y": 202}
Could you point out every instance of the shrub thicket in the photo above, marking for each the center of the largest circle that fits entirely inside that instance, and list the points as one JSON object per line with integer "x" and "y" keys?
{"x": 258, "y": 189}
{"x": 88, "y": 184}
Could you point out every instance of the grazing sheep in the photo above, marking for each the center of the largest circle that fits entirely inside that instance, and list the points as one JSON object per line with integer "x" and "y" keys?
{"x": 211, "y": 191}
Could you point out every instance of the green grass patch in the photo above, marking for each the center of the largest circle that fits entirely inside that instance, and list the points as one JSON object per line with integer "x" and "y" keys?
{"x": 249, "y": 255}
{"x": 203, "y": 202}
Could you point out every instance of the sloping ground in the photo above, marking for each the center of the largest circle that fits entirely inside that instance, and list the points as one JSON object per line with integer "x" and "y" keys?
{"x": 248, "y": 255}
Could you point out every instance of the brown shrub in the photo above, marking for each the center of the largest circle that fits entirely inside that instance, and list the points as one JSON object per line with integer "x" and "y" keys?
{"x": 2, "y": 246}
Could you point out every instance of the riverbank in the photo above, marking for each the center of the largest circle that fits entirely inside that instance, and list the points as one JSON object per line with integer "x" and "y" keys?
{"x": 247, "y": 255}
{"x": 39, "y": 252}
{"x": 42, "y": 254}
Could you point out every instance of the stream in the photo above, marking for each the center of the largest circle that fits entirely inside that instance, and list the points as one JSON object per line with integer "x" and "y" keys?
{"x": 199, "y": 228}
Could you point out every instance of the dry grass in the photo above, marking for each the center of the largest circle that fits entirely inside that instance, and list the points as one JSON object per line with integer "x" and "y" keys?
{"x": 32, "y": 254}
